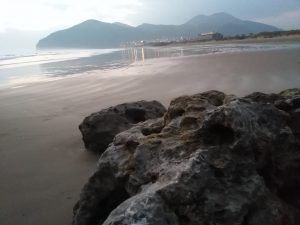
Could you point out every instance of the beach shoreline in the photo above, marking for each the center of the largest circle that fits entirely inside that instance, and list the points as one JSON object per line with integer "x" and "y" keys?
{"x": 43, "y": 161}
{"x": 26, "y": 70}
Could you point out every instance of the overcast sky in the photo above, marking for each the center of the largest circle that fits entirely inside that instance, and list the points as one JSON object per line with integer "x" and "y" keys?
{"x": 36, "y": 18}
{"x": 55, "y": 14}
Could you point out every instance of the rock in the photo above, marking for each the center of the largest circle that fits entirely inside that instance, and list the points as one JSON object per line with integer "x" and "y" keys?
{"x": 99, "y": 129}
{"x": 290, "y": 92}
{"x": 230, "y": 161}
{"x": 263, "y": 98}
{"x": 142, "y": 209}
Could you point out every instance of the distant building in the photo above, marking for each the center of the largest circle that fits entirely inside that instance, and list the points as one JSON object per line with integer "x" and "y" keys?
{"x": 210, "y": 36}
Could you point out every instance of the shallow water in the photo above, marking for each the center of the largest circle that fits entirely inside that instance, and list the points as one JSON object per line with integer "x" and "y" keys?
{"x": 17, "y": 70}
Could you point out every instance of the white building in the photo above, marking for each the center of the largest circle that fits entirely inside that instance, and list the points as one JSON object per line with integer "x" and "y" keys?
{"x": 210, "y": 36}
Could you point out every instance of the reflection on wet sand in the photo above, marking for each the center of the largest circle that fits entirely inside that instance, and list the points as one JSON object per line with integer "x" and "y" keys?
{"x": 110, "y": 61}
{"x": 134, "y": 55}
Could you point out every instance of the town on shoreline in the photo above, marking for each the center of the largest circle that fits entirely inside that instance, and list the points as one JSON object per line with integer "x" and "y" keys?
{"x": 218, "y": 37}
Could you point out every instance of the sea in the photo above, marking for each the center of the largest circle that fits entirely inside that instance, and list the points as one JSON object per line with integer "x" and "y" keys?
{"x": 20, "y": 68}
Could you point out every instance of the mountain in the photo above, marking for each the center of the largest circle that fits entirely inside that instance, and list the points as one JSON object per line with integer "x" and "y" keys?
{"x": 213, "y": 20}
{"x": 228, "y": 25}
{"x": 89, "y": 34}
{"x": 96, "y": 34}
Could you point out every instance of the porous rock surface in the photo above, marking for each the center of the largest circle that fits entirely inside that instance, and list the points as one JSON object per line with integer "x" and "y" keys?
{"x": 213, "y": 159}
{"x": 99, "y": 129}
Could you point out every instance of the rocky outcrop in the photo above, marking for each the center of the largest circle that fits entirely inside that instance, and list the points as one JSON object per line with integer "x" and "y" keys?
{"x": 212, "y": 159}
{"x": 99, "y": 129}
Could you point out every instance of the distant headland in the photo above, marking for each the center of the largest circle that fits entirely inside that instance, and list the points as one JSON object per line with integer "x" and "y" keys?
{"x": 96, "y": 34}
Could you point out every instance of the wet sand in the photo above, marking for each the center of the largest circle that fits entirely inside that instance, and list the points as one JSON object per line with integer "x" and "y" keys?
{"x": 43, "y": 162}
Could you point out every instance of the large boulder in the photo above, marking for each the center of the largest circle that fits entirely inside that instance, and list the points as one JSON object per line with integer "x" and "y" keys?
{"x": 212, "y": 159}
{"x": 99, "y": 129}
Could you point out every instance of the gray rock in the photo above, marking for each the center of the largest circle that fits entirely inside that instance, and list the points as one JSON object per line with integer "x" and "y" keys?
{"x": 142, "y": 209}
{"x": 212, "y": 159}
{"x": 99, "y": 129}
{"x": 263, "y": 98}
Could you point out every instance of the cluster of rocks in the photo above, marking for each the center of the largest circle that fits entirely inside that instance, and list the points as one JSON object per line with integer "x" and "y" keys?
{"x": 211, "y": 159}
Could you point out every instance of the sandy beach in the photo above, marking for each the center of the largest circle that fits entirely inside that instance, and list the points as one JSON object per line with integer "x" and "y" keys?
{"x": 43, "y": 162}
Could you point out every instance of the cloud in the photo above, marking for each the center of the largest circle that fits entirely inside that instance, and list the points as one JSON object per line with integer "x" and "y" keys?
{"x": 58, "y": 6}
{"x": 52, "y": 15}
{"x": 59, "y": 14}
{"x": 287, "y": 20}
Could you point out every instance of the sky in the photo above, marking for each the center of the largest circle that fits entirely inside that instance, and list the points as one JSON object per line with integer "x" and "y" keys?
{"x": 37, "y": 18}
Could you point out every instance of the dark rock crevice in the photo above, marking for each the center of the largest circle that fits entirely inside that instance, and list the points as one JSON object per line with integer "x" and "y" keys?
{"x": 217, "y": 134}
{"x": 103, "y": 193}
{"x": 109, "y": 204}
{"x": 135, "y": 115}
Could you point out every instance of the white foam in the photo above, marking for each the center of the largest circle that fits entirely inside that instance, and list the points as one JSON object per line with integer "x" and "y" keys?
{"x": 42, "y": 57}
